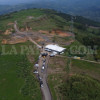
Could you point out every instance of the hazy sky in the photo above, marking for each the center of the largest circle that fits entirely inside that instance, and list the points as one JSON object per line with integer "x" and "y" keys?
{"x": 5, "y": 2}
{"x": 16, "y": 1}
{"x": 20, "y": 1}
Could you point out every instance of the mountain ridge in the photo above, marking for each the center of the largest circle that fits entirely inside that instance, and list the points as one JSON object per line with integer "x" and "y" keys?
{"x": 86, "y": 8}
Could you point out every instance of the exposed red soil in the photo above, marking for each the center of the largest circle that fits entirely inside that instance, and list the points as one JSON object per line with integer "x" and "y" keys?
{"x": 57, "y": 32}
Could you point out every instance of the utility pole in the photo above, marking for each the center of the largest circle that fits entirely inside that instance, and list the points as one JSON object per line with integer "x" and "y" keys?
{"x": 72, "y": 24}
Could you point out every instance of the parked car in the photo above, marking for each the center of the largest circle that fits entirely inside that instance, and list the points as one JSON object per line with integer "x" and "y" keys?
{"x": 55, "y": 53}
{"x": 36, "y": 65}
{"x": 43, "y": 63}
{"x": 62, "y": 53}
{"x": 43, "y": 67}
{"x": 39, "y": 78}
{"x": 49, "y": 50}
{"x": 35, "y": 72}
{"x": 44, "y": 60}
{"x": 51, "y": 55}
{"x": 41, "y": 83}
{"x": 44, "y": 54}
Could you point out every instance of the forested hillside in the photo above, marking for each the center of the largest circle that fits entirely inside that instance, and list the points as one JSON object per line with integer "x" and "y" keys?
{"x": 87, "y": 8}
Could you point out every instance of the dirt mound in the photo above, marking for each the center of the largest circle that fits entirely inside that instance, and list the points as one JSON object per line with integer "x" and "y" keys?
{"x": 25, "y": 29}
{"x": 4, "y": 41}
{"x": 8, "y": 31}
{"x": 42, "y": 31}
{"x": 61, "y": 33}
{"x": 57, "y": 32}
{"x": 14, "y": 40}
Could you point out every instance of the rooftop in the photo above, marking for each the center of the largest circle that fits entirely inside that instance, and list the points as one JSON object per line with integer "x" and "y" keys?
{"x": 55, "y": 47}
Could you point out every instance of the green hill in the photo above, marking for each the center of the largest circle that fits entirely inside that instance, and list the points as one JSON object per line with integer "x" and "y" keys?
{"x": 17, "y": 81}
{"x": 87, "y": 32}
{"x": 53, "y": 16}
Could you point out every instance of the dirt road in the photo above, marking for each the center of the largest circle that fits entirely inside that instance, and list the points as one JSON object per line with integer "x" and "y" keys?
{"x": 43, "y": 74}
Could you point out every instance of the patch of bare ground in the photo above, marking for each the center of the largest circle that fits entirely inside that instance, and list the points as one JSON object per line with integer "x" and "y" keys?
{"x": 57, "y": 32}
{"x": 14, "y": 40}
{"x": 57, "y": 65}
{"x": 8, "y": 31}
{"x": 56, "y": 75}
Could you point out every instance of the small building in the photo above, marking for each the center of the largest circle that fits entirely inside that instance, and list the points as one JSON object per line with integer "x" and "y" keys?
{"x": 54, "y": 48}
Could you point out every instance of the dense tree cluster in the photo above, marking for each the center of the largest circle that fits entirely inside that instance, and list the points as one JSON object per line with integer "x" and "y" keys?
{"x": 80, "y": 87}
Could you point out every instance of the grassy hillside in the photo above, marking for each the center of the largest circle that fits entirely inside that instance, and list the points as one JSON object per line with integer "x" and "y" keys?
{"x": 16, "y": 71}
{"x": 16, "y": 75}
{"x": 45, "y": 19}
{"x": 17, "y": 80}
{"x": 58, "y": 18}
{"x": 65, "y": 73}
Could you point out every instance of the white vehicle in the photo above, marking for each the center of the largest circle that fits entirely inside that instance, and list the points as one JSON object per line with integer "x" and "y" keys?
{"x": 62, "y": 53}
{"x": 43, "y": 67}
{"x": 55, "y": 53}
{"x": 35, "y": 72}
{"x": 41, "y": 85}
{"x": 40, "y": 78}
{"x": 51, "y": 55}
{"x": 48, "y": 50}
{"x": 36, "y": 65}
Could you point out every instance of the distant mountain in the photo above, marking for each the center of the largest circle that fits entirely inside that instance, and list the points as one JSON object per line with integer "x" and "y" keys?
{"x": 87, "y": 8}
